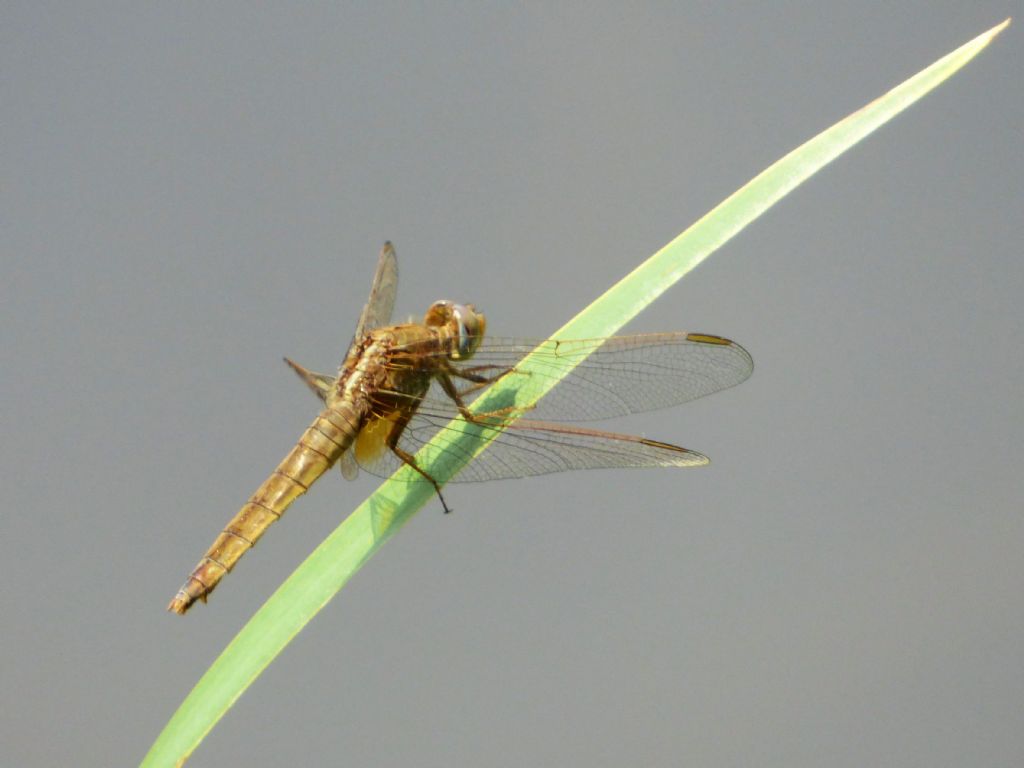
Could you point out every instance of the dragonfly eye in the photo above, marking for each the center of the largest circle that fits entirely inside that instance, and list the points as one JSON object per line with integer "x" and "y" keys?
{"x": 469, "y": 325}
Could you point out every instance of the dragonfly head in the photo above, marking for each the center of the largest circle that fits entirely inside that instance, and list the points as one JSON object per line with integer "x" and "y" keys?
{"x": 464, "y": 327}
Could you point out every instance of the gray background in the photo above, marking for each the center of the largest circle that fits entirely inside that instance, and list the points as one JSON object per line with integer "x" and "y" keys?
{"x": 193, "y": 192}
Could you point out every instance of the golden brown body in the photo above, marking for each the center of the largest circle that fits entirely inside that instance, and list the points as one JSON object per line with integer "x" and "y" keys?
{"x": 378, "y": 413}
{"x": 318, "y": 448}
{"x": 374, "y": 384}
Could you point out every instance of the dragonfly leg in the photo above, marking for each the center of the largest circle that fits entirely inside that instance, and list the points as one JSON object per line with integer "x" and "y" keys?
{"x": 473, "y": 372}
{"x": 476, "y": 418}
{"x": 409, "y": 459}
{"x": 480, "y": 380}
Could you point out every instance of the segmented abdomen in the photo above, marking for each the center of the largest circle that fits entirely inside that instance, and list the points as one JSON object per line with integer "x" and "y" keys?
{"x": 320, "y": 446}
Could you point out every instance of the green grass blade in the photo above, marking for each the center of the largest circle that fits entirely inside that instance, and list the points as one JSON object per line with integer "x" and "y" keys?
{"x": 330, "y": 566}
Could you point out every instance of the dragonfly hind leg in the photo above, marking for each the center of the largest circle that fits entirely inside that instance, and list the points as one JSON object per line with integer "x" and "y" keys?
{"x": 410, "y": 460}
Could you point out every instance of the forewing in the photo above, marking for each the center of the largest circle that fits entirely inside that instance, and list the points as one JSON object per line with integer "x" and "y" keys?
{"x": 381, "y": 302}
{"x": 620, "y": 375}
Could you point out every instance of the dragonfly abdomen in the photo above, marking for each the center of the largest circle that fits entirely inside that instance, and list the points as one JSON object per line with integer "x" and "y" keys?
{"x": 320, "y": 446}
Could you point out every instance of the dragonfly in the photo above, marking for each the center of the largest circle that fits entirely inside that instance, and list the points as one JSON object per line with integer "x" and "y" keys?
{"x": 399, "y": 385}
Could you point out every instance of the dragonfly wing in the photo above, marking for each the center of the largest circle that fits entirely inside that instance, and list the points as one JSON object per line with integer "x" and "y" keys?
{"x": 527, "y": 447}
{"x": 319, "y": 383}
{"x": 618, "y": 376}
{"x": 381, "y": 302}
{"x": 349, "y": 467}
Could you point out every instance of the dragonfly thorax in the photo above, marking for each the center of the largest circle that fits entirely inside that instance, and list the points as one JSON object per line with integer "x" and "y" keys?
{"x": 461, "y": 328}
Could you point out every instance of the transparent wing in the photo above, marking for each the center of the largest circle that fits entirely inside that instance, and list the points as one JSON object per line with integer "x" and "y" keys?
{"x": 381, "y": 302}
{"x": 623, "y": 375}
{"x": 348, "y": 466}
{"x": 526, "y": 448}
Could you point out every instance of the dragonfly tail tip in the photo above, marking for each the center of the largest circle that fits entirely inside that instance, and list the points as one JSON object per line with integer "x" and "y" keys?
{"x": 179, "y": 605}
